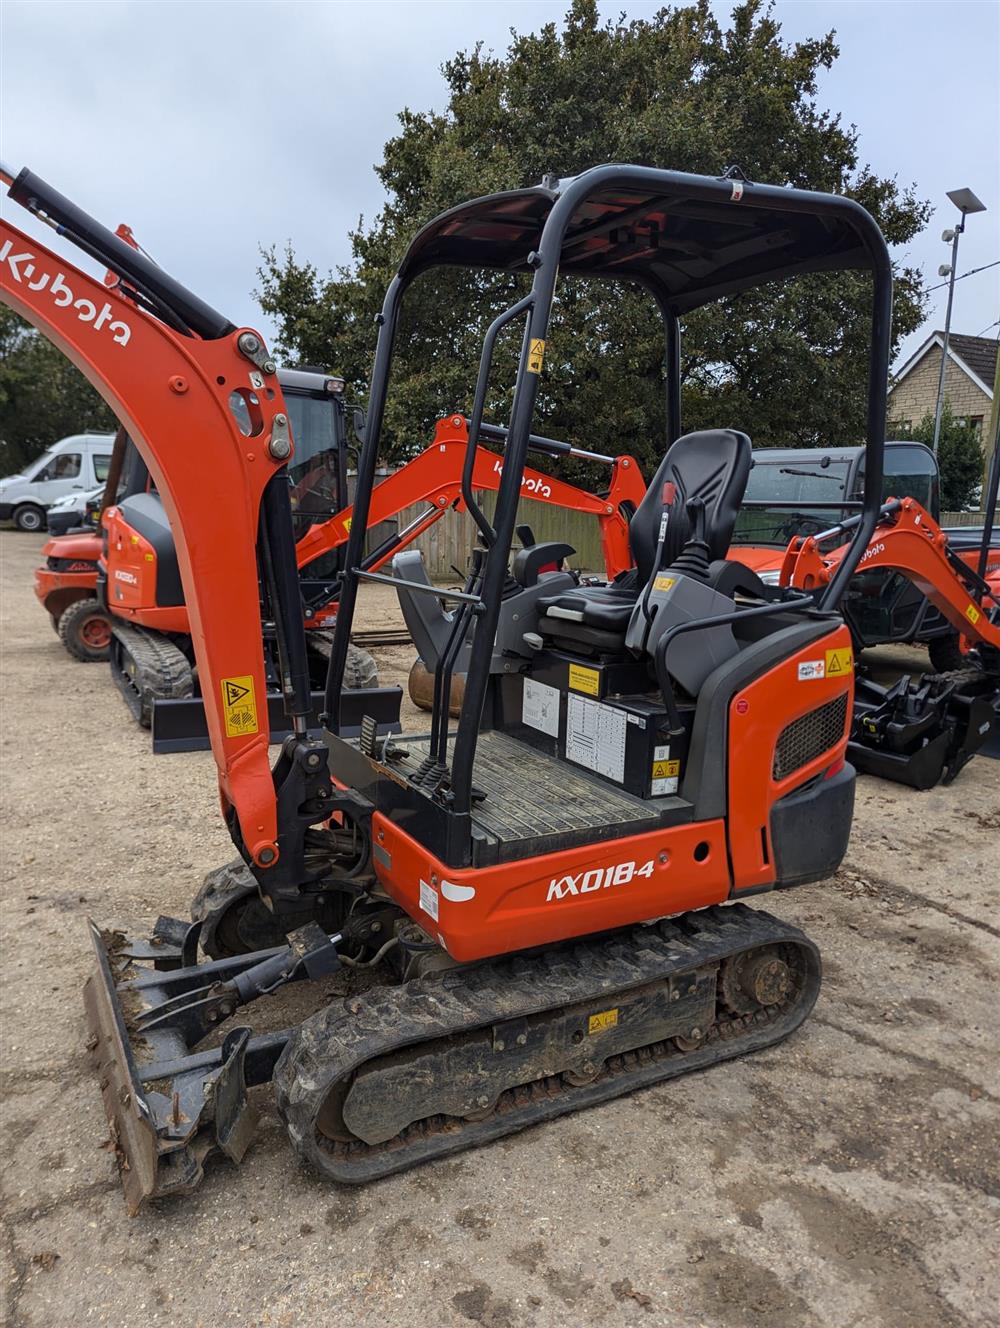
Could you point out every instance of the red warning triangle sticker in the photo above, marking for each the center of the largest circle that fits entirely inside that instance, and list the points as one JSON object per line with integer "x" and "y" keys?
{"x": 235, "y": 693}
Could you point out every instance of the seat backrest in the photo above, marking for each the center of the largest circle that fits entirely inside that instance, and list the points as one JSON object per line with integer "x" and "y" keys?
{"x": 713, "y": 465}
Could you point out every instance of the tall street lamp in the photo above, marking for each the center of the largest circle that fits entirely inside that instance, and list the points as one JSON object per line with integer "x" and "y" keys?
{"x": 966, "y": 201}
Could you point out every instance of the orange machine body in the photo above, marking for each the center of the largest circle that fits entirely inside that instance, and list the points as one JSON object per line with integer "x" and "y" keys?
{"x": 68, "y": 571}
{"x": 480, "y": 911}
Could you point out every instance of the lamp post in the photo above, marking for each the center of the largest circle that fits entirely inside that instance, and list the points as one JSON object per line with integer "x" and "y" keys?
{"x": 966, "y": 201}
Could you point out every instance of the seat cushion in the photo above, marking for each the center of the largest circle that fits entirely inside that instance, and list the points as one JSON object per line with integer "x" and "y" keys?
{"x": 607, "y": 608}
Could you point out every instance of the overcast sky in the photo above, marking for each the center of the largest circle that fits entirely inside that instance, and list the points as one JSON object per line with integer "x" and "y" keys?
{"x": 214, "y": 127}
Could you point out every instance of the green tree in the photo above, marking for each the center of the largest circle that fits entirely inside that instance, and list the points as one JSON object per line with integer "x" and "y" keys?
{"x": 43, "y": 397}
{"x": 960, "y": 456}
{"x": 786, "y": 363}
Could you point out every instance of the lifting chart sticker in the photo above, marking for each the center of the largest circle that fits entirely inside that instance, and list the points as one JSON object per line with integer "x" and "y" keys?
{"x": 595, "y": 737}
{"x": 536, "y": 355}
{"x": 838, "y": 661}
{"x": 239, "y": 706}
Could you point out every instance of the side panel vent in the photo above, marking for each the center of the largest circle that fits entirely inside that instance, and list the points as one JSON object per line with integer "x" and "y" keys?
{"x": 809, "y": 736}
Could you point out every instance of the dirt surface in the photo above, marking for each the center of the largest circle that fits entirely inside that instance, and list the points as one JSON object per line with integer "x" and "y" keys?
{"x": 846, "y": 1179}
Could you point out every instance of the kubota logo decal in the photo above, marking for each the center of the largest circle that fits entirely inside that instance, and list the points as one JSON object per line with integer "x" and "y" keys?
{"x": 22, "y": 268}
{"x": 531, "y": 485}
{"x": 872, "y": 551}
{"x": 597, "y": 878}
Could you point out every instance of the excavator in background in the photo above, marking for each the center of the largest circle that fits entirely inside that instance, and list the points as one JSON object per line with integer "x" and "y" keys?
{"x": 915, "y": 584}
{"x": 534, "y": 894}
{"x": 123, "y": 596}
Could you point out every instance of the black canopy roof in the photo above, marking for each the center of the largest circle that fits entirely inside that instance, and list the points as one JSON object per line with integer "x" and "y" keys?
{"x": 689, "y": 238}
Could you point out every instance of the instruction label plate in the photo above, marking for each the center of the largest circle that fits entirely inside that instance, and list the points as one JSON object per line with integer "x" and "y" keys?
{"x": 540, "y": 707}
{"x": 239, "y": 706}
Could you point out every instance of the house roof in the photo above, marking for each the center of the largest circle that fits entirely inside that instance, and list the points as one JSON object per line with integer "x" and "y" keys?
{"x": 975, "y": 356}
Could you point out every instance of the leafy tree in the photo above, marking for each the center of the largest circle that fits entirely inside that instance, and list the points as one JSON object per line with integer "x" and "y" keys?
{"x": 960, "y": 456}
{"x": 788, "y": 363}
{"x": 43, "y": 397}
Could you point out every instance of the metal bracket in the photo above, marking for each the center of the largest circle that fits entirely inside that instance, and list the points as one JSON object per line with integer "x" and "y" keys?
{"x": 250, "y": 345}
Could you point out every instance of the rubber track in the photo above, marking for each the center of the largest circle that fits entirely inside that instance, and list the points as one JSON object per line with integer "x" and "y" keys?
{"x": 333, "y": 1044}
{"x": 162, "y": 670}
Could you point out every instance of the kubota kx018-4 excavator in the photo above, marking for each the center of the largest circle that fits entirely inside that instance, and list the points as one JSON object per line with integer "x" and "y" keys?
{"x": 543, "y": 880}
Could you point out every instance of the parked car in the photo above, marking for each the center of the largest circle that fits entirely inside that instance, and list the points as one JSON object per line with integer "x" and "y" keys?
{"x": 73, "y": 465}
{"x": 74, "y": 511}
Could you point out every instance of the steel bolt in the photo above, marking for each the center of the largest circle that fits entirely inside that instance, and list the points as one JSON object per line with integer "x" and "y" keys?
{"x": 267, "y": 855}
{"x": 248, "y": 343}
{"x": 280, "y": 418}
{"x": 482, "y": 1102}
{"x": 269, "y": 366}
{"x": 280, "y": 448}
{"x": 695, "y": 1033}
{"x": 522, "y": 1039}
{"x": 312, "y": 760}
{"x": 501, "y": 1046}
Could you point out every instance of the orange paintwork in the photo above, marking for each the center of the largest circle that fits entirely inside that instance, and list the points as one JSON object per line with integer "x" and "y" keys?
{"x": 509, "y": 909}
{"x": 757, "y": 716}
{"x": 57, "y": 590}
{"x": 171, "y": 393}
{"x": 909, "y": 541}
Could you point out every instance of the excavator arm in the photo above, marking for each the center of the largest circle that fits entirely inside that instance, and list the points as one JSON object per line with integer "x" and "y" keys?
{"x": 168, "y": 366}
{"x": 433, "y": 479}
{"x": 907, "y": 540}
{"x": 917, "y": 731}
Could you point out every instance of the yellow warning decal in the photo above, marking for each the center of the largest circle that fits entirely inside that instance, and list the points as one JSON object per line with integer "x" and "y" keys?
{"x": 838, "y": 661}
{"x": 584, "y": 680}
{"x": 347, "y": 524}
{"x": 536, "y": 355}
{"x": 664, "y": 582}
{"x": 599, "y": 1023}
{"x": 666, "y": 769}
{"x": 972, "y": 613}
{"x": 239, "y": 706}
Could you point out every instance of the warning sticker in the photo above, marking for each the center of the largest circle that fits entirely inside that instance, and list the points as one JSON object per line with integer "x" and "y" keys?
{"x": 666, "y": 769}
{"x": 540, "y": 707}
{"x": 838, "y": 661}
{"x": 664, "y": 582}
{"x": 239, "y": 706}
{"x": 536, "y": 355}
{"x": 584, "y": 680}
{"x": 972, "y": 613}
{"x": 429, "y": 899}
{"x": 811, "y": 669}
{"x": 598, "y": 1023}
{"x": 347, "y": 524}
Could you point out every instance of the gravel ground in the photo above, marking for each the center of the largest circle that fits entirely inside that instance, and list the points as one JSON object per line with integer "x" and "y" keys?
{"x": 846, "y": 1179}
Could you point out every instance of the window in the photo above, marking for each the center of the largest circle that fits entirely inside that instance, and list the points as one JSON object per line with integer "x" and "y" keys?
{"x": 977, "y": 425}
{"x": 908, "y": 472}
{"x": 65, "y": 466}
{"x": 783, "y": 484}
{"x": 102, "y": 464}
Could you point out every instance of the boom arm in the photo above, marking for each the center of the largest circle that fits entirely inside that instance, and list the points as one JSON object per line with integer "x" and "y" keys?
{"x": 908, "y": 540}
{"x": 434, "y": 478}
{"x": 171, "y": 390}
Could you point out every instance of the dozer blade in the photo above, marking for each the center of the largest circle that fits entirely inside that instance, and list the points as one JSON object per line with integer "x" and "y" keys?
{"x": 167, "y": 1109}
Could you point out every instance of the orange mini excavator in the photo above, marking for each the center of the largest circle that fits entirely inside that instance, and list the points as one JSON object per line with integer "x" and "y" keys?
{"x": 538, "y": 889}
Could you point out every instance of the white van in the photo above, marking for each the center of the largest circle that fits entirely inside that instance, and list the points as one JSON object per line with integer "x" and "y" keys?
{"x": 79, "y": 462}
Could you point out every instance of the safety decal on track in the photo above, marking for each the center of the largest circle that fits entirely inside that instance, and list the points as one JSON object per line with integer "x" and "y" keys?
{"x": 584, "y": 680}
{"x": 838, "y": 661}
{"x": 598, "y": 1023}
{"x": 239, "y": 706}
{"x": 536, "y": 355}
{"x": 972, "y": 613}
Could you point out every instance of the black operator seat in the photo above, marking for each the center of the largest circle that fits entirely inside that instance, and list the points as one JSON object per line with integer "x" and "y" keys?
{"x": 712, "y": 465}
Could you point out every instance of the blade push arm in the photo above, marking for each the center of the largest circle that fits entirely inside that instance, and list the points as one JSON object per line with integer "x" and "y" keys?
{"x": 434, "y": 478}
{"x": 907, "y": 540}
{"x": 171, "y": 391}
